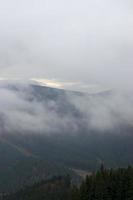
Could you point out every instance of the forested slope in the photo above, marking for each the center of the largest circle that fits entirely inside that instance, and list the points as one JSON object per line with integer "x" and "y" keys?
{"x": 112, "y": 184}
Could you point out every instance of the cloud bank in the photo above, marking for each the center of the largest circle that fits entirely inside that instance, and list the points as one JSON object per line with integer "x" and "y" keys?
{"x": 39, "y": 110}
{"x": 76, "y": 45}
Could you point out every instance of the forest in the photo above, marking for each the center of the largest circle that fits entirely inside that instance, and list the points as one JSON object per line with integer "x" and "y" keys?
{"x": 104, "y": 184}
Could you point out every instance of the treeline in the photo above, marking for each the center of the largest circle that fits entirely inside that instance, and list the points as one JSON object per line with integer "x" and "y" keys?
{"x": 112, "y": 184}
{"x": 106, "y": 185}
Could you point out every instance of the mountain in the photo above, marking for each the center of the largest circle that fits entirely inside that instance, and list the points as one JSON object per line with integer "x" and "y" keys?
{"x": 46, "y": 132}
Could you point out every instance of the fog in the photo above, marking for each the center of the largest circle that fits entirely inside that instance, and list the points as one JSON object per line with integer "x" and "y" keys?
{"x": 26, "y": 110}
{"x": 75, "y": 45}
{"x": 75, "y": 41}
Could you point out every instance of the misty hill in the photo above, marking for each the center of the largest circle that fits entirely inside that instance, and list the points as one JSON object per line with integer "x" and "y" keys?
{"x": 46, "y": 132}
{"x": 104, "y": 184}
{"x": 26, "y": 171}
{"x": 52, "y": 189}
{"x": 20, "y": 167}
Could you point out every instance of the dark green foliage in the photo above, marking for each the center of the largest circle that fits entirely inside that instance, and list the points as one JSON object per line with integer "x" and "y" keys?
{"x": 106, "y": 185}
{"x": 103, "y": 185}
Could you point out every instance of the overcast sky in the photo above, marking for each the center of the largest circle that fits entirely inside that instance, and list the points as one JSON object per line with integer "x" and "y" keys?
{"x": 88, "y": 42}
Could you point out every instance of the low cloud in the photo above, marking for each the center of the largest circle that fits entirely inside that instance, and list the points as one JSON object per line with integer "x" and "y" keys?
{"x": 106, "y": 111}
{"x": 24, "y": 109}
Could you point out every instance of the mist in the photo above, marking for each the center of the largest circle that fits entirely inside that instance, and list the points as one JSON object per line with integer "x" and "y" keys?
{"x": 26, "y": 110}
{"x": 89, "y": 42}
{"x": 72, "y": 45}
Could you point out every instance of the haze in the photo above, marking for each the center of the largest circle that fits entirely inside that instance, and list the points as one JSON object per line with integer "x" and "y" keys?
{"x": 84, "y": 42}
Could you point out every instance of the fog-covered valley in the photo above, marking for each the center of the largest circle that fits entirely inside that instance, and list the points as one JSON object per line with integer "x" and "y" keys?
{"x": 42, "y": 127}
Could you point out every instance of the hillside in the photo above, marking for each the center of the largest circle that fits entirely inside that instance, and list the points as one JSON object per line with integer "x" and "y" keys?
{"x": 53, "y": 189}
{"x": 104, "y": 184}
{"x": 46, "y": 132}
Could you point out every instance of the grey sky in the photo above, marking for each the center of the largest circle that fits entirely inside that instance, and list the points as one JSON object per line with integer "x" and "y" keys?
{"x": 88, "y": 41}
